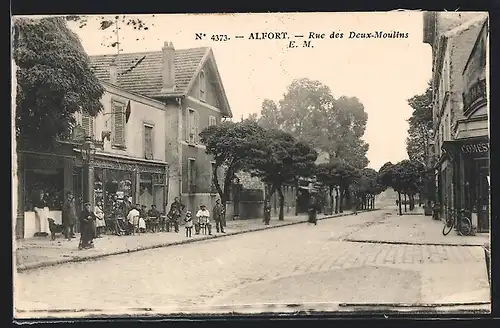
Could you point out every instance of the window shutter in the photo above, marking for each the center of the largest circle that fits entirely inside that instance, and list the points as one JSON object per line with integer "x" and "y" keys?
{"x": 88, "y": 125}
{"x": 188, "y": 124}
{"x": 118, "y": 125}
{"x": 196, "y": 126}
{"x": 148, "y": 142}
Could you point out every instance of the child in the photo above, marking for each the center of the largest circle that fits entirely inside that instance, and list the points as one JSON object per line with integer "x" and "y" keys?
{"x": 189, "y": 223}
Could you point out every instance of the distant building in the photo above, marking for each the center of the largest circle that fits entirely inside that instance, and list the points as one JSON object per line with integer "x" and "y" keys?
{"x": 460, "y": 115}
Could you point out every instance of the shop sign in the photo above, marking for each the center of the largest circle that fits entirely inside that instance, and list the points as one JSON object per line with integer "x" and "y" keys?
{"x": 475, "y": 148}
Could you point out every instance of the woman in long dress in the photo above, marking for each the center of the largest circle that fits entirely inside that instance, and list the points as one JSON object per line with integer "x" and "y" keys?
{"x": 100, "y": 223}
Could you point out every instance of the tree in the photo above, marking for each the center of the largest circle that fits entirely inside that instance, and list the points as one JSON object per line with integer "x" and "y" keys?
{"x": 351, "y": 119}
{"x": 278, "y": 158}
{"x": 387, "y": 176}
{"x": 310, "y": 113}
{"x": 419, "y": 136}
{"x": 270, "y": 116}
{"x": 420, "y": 127}
{"x": 230, "y": 144}
{"x": 337, "y": 175}
{"x": 306, "y": 111}
{"x": 404, "y": 177}
{"x": 366, "y": 188}
{"x": 412, "y": 173}
{"x": 54, "y": 81}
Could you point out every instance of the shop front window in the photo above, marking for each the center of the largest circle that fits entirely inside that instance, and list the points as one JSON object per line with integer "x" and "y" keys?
{"x": 151, "y": 190}
{"x": 50, "y": 182}
{"x": 98, "y": 185}
{"x": 118, "y": 184}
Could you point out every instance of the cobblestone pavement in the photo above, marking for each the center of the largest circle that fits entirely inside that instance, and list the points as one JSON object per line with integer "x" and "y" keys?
{"x": 299, "y": 263}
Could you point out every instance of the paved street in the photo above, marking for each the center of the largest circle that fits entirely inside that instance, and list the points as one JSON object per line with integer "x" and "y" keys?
{"x": 295, "y": 264}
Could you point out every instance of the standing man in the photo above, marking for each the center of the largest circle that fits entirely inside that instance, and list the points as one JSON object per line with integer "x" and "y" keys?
{"x": 175, "y": 213}
{"x": 69, "y": 216}
{"x": 87, "y": 218}
{"x": 218, "y": 213}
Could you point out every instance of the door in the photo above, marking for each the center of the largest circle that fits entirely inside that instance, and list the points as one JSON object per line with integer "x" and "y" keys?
{"x": 483, "y": 199}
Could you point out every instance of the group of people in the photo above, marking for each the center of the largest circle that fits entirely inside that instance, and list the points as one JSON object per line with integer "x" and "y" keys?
{"x": 126, "y": 218}
{"x": 202, "y": 218}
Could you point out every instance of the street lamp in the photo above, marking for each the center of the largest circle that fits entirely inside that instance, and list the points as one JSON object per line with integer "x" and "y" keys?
{"x": 87, "y": 151}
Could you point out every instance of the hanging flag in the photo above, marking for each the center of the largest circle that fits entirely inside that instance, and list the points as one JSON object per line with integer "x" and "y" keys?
{"x": 127, "y": 112}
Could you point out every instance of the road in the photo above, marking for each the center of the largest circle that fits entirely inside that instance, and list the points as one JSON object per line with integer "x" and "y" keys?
{"x": 294, "y": 264}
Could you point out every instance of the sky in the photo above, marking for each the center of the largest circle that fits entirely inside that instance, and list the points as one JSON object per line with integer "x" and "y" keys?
{"x": 382, "y": 73}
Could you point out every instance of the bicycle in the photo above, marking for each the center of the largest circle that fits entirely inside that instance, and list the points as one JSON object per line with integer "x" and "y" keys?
{"x": 460, "y": 221}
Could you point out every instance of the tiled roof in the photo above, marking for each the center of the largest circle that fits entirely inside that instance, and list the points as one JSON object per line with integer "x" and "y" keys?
{"x": 141, "y": 72}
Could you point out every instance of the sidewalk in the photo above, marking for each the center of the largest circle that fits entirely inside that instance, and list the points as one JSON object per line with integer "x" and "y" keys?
{"x": 40, "y": 252}
{"x": 415, "y": 229}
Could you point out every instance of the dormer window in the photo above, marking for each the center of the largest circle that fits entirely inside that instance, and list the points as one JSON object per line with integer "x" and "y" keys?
{"x": 202, "y": 86}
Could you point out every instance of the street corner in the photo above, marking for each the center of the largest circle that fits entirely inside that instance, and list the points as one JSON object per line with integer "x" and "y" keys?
{"x": 339, "y": 285}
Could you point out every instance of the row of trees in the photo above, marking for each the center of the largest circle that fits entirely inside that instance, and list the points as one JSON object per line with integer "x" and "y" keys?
{"x": 279, "y": 159}
{"x": 406, "y": 178}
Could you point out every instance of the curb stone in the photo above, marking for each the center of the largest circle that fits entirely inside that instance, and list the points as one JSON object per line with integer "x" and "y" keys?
{"x": 24, "y": 267}
{"x": 410, "y": 243}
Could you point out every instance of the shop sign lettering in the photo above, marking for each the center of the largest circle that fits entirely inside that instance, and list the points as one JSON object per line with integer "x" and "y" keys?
{"x": 475, "y": 148}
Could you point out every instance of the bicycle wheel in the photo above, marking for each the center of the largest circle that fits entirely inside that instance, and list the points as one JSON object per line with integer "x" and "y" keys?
{"x": 448, "y": 226}
{"x": 465, "y": 226}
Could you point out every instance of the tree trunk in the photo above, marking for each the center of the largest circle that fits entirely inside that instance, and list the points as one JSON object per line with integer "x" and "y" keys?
{"x": 296, "y": 198}
{"x": 282, "y": 204}
{"x": 341, "y": 200}
{"x": 406, "y": 201}
{"x": 399, "y": 203}
{"x": 412, "y": 202}
{"x": 271, "y": 189}
{"x": 330, "y": 189}
{"x": 336, "y": 200}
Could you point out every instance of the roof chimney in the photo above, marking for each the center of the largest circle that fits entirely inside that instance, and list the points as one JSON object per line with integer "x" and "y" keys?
{"x": 168, "y": 73}
{"x": 113, "y": 72}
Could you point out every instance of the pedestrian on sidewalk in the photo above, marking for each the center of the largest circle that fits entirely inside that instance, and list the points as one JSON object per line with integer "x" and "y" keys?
{"x": 69, "y": 217}
{"x": 100, "y": 223}
{"x": 313, "y": 210}
{"x": 203, "y": 218}
{"x": 267, "y": 212}
{"x": 218, "y": 214}
{"x": 174, "y": 214}
{"x": 188, "y": 220}
{"x": 87, "y": 218}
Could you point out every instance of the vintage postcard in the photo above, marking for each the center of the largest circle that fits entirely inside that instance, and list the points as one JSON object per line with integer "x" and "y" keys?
{"x": 249, "y": 164}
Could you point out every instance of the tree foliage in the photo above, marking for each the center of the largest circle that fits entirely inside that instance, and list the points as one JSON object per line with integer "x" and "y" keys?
{"x": 113, "y": 24}
{"x": 230, "y": 144}
{"x": 404, "y": 177}
{"x": 54, "y": 80}
{"x": 310, "y": 113}
{"x": 337, "y": 175}
{"x": 420, "y": 127}
{"x": 278, "y": 158}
